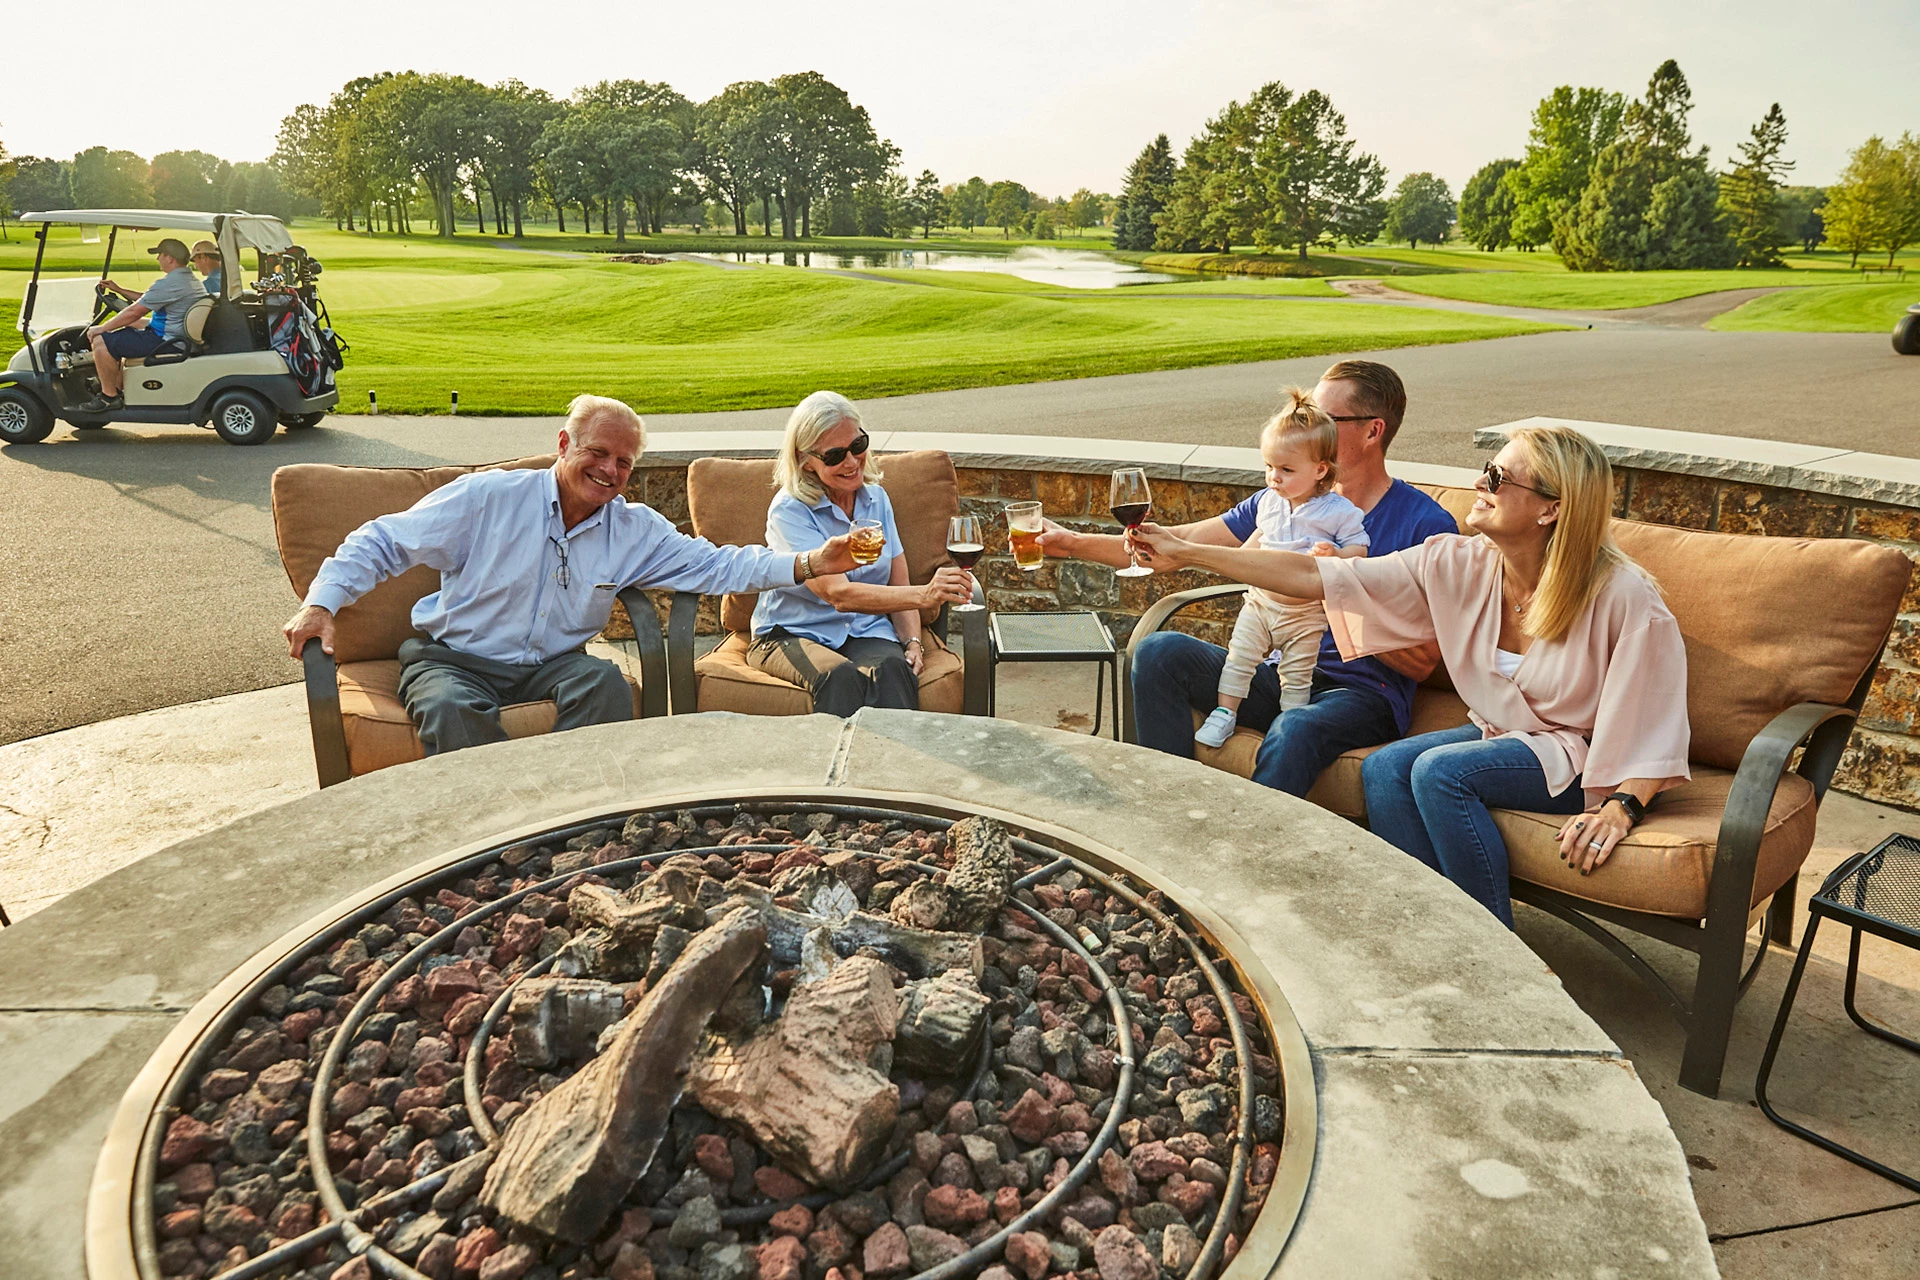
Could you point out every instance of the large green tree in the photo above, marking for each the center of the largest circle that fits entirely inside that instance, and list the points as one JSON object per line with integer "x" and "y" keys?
{"x": 967, "y": 202}
{"x": 1421, "y": 209}
{"x": 1651, "y": 202}
{"x": 1487, "y": 206}
{"x": 40, "y": 184}
{"x": 104, "y": 179}
{"x": 1750, "y": 193}
{"x": 928, "y": 206}
{"x": 1148, "y": 187}
{"x": 184, "y": 180}
{"x": 734, "y": 134}
{"x": 1801, "y": 220}
{"x": 1570, "y": 127}
{"x": 1876, "y": 203}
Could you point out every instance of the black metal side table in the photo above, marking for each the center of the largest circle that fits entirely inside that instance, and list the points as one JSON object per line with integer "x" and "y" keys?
{"x": 1069, "y": 636}
{"x": 1877, "y": 892}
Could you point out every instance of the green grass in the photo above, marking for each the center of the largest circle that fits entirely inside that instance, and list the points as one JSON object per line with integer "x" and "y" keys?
{"x": 1871, "y": 308}
{"x": 1459, "y": 257}
{"x": 521, "y": 333}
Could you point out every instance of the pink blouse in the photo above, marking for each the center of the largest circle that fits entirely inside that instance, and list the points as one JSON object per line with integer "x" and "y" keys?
{"x": 1617, "y": 680}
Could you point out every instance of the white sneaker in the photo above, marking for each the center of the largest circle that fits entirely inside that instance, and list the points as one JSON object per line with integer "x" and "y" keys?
{"x": 1216, "y": 729}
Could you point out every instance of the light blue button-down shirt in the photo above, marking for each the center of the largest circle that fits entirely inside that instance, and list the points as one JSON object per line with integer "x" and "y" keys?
{"x": 499, "y": 543}
{"x": 793, "y": 527}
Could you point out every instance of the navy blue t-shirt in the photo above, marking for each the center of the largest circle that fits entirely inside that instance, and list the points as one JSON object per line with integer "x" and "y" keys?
{"x": 1404, "y": 517}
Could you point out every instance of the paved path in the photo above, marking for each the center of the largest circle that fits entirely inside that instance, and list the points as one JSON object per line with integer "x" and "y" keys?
{"x": 1681, "y": 313}
{"x": 140, "y": 568}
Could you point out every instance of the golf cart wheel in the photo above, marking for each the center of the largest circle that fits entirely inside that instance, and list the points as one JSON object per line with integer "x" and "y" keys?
{"x": 301, "y": 421}
{"x": 23, "y": 419}
{"x": 241, "y": 417}
{"x": 1906, "y": 334}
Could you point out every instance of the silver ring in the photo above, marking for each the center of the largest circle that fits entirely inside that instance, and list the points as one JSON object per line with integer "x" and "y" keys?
{"x": 1594, "y": 844}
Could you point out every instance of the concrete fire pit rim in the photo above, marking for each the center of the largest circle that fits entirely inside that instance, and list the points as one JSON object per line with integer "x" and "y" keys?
{"x": 119, "y": 1197}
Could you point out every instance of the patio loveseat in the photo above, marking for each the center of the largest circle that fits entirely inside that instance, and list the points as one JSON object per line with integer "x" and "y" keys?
{"x": 1782, "y": 636}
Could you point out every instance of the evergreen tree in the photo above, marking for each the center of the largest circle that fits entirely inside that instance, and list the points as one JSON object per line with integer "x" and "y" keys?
{"x": 1422, "y": 209}
{"x": 1749, "y": 195}
{"x": 1487, "y": 205}
{"x": 1651, "y": 202}
{"x": 1801, "y": 220}
{"x": 1148, "y": 187}
{"x": 926, "y": 204}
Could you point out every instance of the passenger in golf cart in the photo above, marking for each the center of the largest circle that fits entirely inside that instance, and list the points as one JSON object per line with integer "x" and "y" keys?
{"x": 243, "y": 354}
{"x": 167, "y": 300}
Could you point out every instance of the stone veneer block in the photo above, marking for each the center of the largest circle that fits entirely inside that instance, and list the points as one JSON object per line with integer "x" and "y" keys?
{"x": 1871, "y": 477}
{"x": 1048, "y": 453}
{"x": 1768, "y": 462}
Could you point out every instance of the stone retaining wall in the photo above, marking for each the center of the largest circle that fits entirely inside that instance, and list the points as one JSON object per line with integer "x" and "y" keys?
{"x": 1688, "y": 480}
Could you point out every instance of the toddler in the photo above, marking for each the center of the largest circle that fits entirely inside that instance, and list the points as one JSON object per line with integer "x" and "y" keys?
{"x": 1297, "y": 511}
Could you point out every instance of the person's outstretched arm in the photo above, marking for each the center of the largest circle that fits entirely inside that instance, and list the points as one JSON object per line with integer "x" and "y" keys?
{"x": 1111, "y": 548}
{"x": 1290, "y": 573}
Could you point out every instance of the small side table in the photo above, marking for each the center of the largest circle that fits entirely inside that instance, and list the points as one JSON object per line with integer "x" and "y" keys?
{"x": 1073, "y": 636}
{"x": 1877, "y": 892}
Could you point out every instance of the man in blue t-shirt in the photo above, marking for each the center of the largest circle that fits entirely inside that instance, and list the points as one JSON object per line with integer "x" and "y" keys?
{"x": 1362, "y": 703}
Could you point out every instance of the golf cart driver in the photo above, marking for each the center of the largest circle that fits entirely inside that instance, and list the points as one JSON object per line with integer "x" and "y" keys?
{"x": 166, "y": 300}
{"x": 251, "y": 353}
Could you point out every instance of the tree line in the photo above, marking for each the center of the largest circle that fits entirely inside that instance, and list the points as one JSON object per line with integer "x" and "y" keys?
{"x": 1613, "y": 184}
{"x": 99, "y": 178}
{"x": 795, "y": 151}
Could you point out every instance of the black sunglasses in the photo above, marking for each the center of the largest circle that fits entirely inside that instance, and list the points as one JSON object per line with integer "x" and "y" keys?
{"x": 1497, "y": 477}
{"x": 834, "y": 457}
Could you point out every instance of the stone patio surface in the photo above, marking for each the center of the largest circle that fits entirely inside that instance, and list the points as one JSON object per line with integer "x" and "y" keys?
{"x": 78, "y": 805}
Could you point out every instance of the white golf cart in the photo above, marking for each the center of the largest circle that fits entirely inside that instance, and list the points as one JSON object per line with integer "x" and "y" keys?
{"x": 230, "y": 370}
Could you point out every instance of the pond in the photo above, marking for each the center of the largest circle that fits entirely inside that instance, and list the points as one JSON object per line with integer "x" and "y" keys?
{"x": 1066, "y": 268}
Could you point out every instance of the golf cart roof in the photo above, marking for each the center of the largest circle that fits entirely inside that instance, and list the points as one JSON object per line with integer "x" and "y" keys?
{"x": 252, "y": 230}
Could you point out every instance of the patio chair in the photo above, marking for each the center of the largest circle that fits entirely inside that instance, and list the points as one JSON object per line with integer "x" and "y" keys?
{"x": 1775, "y": 680}
{"x": 354, "y": 710}
{"x": 727, "y": 500}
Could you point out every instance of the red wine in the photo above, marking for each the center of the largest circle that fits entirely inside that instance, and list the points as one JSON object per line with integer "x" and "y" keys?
{"x": 1131, "y": 514}
{"x": 965, "y": 553}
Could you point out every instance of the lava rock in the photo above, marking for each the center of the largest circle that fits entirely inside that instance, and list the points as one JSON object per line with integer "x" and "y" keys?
{"x": 1120, "y": 1255}
{"x": 776, "y": 1183}
{"x": 697, "y": 1223}
{"x": 1207, "y": 1108}
{"x": 795, "y": 1220}
{"x": 1154, "y": 1216}
{"x": 782, "y": 1258}
{"x": 1152, "y": 1162}
{"x": 1031, "y": 1118}
{"x": 1179, "y": 1247}
{"x": 1266, "y": 1118}
{"x": 928, "y": 1247}
{"x": 953, "y": 1208}
{"x": 724, "y": 1262}
{"x": 1092, "y": 1211}
{"x": 886, "y": 1252}
{"x": 1028, "y": 1251}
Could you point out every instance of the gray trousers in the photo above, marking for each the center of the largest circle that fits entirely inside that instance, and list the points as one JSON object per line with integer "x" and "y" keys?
{"x": 866, "y": 671}
{"x": 454, "y": 698}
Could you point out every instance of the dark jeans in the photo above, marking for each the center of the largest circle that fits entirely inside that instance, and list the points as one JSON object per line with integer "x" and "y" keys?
{"x": 866, "y": 671}
{"x": 455, "y": 698}
{"x": 1429, "y": 795}
{"x": 1175, "y": 675}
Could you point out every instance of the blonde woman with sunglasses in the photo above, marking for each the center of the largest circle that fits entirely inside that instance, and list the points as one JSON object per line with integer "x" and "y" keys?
{"x": 852, "y": 639}
{"x": 1570, "y": 664}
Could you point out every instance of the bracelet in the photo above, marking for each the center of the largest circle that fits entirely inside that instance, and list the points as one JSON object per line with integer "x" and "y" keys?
{"x": 914, "y": 641}
{"x": 803, "y": 567}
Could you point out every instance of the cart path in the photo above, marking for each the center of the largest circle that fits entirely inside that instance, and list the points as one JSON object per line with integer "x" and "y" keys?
{"x": 1681, "y": 313}
{"x": 142, "y": 570}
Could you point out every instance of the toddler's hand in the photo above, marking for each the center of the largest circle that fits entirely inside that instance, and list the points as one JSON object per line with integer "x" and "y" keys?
{"x": 1325, "y": 549}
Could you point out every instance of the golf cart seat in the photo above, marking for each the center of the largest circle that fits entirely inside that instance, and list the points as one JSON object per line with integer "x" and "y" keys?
{"x": 191, "y": 343}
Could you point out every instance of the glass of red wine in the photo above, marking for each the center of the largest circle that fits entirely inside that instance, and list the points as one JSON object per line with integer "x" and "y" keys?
{"x": 964, "y": 544}
{"x": 1130, "y": 501}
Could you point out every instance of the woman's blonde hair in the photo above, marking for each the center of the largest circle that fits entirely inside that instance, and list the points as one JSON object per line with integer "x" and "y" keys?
{"x": 812, "y": 418}
{"x": 1304, "y": 425}
{"x": 1581, "y": 553}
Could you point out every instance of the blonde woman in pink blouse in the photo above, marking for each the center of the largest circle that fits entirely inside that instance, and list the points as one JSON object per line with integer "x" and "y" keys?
{"x": 1569, "y": 662}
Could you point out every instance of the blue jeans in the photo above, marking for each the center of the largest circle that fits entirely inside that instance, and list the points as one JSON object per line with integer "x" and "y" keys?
{"x": 1175, "y": 675}
{"x": 1429, "y": 796}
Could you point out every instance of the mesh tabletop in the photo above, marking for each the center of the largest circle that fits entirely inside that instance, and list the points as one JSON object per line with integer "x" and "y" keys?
{"x": 1885, "y": 886}
{"x": 1076, "y": 634}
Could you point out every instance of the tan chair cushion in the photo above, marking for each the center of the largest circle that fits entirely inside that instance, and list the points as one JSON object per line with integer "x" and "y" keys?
{"x": 1666, "y": 863}
{"x": 1768, "y": 622}
{"x": 726, "y": 683}
{"x": 379, "y": 732}
{"x": 727, "y": 500}
{"x": 315, "y": 507}
{"x": 1338, "y": 786}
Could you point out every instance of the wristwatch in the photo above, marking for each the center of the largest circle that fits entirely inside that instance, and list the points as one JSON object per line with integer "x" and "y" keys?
{"x": 1636, "y": 812}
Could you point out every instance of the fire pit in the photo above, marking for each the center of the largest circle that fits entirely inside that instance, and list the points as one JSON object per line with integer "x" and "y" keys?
{"x": 343, "y": 991}
{"x": 785, "y": 1038}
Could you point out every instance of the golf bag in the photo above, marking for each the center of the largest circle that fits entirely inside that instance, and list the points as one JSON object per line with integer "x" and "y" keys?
{"x": 310, "y": 348}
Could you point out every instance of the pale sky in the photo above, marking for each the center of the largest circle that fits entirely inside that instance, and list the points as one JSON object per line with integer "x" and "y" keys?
{"x": 1055, "y": 96}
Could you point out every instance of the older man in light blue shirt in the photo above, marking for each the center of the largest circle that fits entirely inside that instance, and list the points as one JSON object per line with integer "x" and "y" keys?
{"x": 530, "y": 563}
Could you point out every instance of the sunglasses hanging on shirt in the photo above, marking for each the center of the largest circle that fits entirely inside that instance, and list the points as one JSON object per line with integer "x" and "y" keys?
{"x": 834, "y": 457}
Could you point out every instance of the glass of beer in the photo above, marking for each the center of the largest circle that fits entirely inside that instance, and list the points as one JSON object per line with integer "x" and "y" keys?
{"x": 1130, "y": 501}
{"x": 965, "y": 544}
{"x": 1023, "y": 532}
{"x": 867, "y": 541}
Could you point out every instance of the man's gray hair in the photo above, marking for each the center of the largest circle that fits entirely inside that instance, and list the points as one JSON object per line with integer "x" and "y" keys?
{"x": 812, "y": 418}
{"x": 587, "y": 410}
